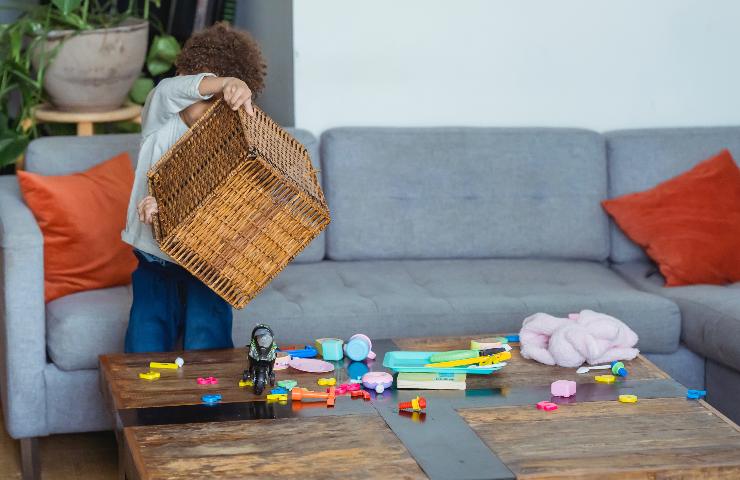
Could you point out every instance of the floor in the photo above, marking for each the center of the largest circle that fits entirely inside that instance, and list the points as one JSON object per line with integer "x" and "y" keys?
{"x": 64, "y": 457}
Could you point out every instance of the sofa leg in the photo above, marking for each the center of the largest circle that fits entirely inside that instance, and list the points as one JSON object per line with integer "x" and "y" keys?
{"x": 30, "y": 459}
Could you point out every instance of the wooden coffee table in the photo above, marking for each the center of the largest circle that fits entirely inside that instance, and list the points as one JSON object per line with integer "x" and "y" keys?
{"x": 491, "y": 430}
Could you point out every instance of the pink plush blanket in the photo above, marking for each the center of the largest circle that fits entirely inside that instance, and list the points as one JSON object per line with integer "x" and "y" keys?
{"x": 588, "y": 336}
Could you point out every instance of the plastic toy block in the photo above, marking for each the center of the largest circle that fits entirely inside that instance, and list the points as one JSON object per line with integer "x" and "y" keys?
{"x": 628, "y": 398}
{"x": 277, "y": 397}
{"x": 279, "y": 391}
{"x": 166, "y": 366}
{"x": 287, "y": 384}
{"x": 327, "y": 382}
{"x": 179, "y": 362}
{"x": 512, "y": 338}
{"x": 149, "y": 375}
{"x": 618, "y": 368}
{"x": 546, "y": 406}
{"x": 485, "y": 360}
{"x": 296, "y": 351}
{"x": 696, "y": 394}
{"x": 416, "y": 404}
{"x": 245, "y": 383}
{"x": 563, "y": 388}
{"x": 301, "y": 394}
{"x": 605, "y": 378}
{"x": 208, "y": 381}
{"x": 211, "y": 399}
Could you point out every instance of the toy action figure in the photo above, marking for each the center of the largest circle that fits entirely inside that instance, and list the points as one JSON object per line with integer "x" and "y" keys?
{"x": 262, "y": 353}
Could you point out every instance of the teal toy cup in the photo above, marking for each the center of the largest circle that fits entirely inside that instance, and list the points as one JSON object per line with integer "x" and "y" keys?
{"x": 331, "y": 349}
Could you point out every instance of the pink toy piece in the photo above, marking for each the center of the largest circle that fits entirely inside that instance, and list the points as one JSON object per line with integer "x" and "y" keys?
{"x": 310, "y": 365}
{"x": 587, "y": 336}
{"x": 378, "y": 381}
{"x": 281, "y": 363}
{"x": 563, "y": 388}
{"x": 546, "y": 406}
{"x": 207, "y": 381}
{"x": 346, "y": 388}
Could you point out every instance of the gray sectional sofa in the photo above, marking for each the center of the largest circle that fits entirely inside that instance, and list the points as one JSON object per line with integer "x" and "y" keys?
{"x": 435, "y": 231}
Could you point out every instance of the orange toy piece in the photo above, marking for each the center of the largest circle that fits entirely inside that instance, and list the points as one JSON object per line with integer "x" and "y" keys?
{"x": 416, "y": 404}
{"x": 301, "y": 394}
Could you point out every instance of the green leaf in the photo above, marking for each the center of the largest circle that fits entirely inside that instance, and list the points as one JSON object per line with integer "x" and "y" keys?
{"x": 162, "y": 54}
{"x": 140, "y": 90}
{"x": 12, "y": 145}
{"x": 66, "y": 6}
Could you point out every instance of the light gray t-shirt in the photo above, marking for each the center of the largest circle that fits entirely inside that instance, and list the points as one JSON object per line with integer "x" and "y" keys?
{"x": 161, "y": 127}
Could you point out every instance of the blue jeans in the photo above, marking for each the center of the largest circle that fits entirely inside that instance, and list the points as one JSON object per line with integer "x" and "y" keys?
{"x": 169, "y": 303}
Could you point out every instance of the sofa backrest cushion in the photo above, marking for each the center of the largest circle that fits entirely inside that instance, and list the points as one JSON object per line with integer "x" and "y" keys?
{"x": 63, "y": 155}
{"x": 641, "y": 159}
{"x": 465, "y": 193}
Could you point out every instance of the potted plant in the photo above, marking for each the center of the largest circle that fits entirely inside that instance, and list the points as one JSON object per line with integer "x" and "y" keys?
{"x": 80, "y": 55}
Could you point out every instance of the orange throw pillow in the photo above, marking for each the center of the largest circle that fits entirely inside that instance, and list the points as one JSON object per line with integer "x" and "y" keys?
{"x": 689, "y": 225}
{"x": 81, "y": 216}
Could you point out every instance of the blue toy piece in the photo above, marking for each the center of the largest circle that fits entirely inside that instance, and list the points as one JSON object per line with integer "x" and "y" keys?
{"x": 306, "y": 352}
{"x": 696, "y": 394}
{"x": 619, "y": 369}
{"x": 512, "y": 338}
{"x": 279, "y": 391}
{"x": 211, "y": 399}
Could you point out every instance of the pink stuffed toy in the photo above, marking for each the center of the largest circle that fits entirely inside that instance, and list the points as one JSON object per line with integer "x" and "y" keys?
{"x": 590, "y": 337}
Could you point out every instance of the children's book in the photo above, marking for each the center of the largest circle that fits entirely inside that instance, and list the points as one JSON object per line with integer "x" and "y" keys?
{"x": 431, "y": 381}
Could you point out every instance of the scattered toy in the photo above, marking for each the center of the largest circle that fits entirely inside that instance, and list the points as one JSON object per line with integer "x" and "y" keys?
{"x": 359, "y": 347}
{"x": 207, "y": 381}
{"x": 296, "y": 351}
{"x": 378, "y": 381}
{"x": 618, "y": 368}
{"x": 281, "y": 361}
{"x": 245, "y": 383}
{"x": 482, "y": 361}
{"x": 179, "y": 362}
{"x": 330, "y": 348}
{"x": 360, "y": 394}
{"x": 563, "y": 388}
{"x": 211, "y": 399}
{"x": 311, "y": 365}
{"x": 287, "y": 384}
{"x": 163, "y": 366}
{"x": 605, "y": 378}
{"x": 301, "y": 394}
{"x": 416, "y": 404}
{"x": 347, "y": 387}
{"x": 262, "y": 354}
{"x": 546, "y": 406}
{"x": 696, "y": 394}
{"x": 327, "y": 382}
{"x": 586, "y": 369}
{"x": 279, "y": 391}
{"x": 486, "y": 343}
{"x": 277, "y": 397}
{"x": 151, "y": 375}
{"x": 513, "y": 338}
{"x": 628, "y": 398}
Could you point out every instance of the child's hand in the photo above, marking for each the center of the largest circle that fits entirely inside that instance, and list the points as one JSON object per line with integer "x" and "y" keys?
{"x": 147, "y": 207}
{"x": 237, "y": 93}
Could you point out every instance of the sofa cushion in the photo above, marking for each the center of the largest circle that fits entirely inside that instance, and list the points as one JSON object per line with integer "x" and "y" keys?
{"x": 448, "y": 297}
{"x": 710, "y": 315}
{"x": 81, "y": 326}
{"x": 465, "y": 193}
{"x": 641, "y": 159}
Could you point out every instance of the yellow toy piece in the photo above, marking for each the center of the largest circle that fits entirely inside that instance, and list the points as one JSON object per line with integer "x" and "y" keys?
{"x": 168, "y": 366}
{"x": 327, "y": 382}
{"x": 245, "y": 383}
{"x": 605, "y": 378}
{"x": 628, "y": 398}
{"x": 149, "y": 375}
{"x": 277, "y": 397}
{"x": 485, "y": 360}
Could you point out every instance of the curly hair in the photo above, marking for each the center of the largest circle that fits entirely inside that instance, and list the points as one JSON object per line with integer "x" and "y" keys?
{"x": 226, "y": 52}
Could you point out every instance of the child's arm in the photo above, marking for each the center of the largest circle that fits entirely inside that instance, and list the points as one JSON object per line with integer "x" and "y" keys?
{"x": 175, "y": 94}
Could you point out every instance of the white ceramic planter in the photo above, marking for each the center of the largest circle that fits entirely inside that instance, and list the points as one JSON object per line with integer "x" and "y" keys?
{"x": 94, "y": 70}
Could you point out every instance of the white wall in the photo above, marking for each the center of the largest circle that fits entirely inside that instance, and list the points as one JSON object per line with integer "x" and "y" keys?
{"x": 599, "y": 64}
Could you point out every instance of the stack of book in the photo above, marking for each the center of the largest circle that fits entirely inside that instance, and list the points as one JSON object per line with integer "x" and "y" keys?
{"x": 431, "y": 381}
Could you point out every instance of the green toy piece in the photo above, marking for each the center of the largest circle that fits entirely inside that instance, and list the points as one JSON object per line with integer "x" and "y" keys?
{"x": 453, "y": 355}
{"x": 287, "y": 384}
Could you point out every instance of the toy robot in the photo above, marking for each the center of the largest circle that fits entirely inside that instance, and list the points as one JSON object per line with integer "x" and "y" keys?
{"x": 262, "y": 353}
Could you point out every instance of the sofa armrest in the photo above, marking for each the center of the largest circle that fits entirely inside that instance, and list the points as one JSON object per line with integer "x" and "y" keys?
{"x": 22, "y": 315}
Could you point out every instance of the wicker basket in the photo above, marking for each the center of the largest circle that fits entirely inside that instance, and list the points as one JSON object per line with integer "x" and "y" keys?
{"x": 238, "y": 199}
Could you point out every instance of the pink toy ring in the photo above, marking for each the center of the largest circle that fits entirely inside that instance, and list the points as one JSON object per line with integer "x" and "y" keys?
{"x": 377, "y": 381}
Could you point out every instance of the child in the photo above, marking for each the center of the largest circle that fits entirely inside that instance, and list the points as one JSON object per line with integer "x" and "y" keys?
{"x": 167, "y": 300}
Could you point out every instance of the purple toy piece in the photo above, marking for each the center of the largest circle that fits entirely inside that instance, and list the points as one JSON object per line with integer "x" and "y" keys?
{"x": 563, "y": 388}
{"x": 378, "y": 381}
